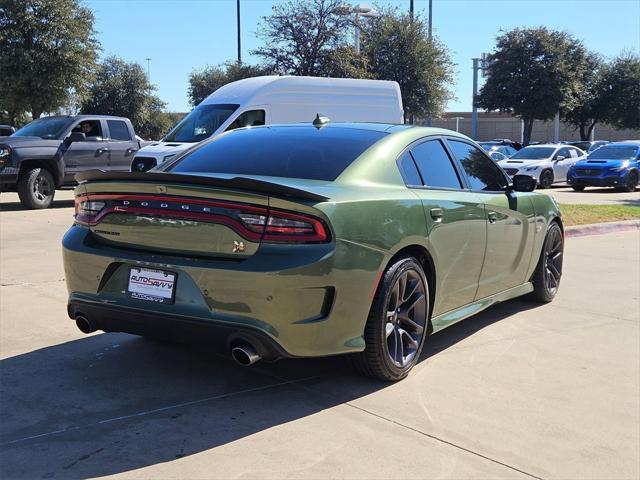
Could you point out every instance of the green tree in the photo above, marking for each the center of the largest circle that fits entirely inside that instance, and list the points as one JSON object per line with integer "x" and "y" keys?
{"x": 301, "y": 37}
{"x": 589, "y": 106}
{"x": 397, "y": 47}
{"x": 204, "y": 82}
{"x": 123, "y": 89}
{"x": 533, "y": 73}
{"x": 47, "y": 52}
{"x": 621, "y": 91}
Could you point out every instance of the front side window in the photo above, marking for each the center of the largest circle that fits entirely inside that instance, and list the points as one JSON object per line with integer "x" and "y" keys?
{"x": 482, "y": 172}
{"x": 563, "y": 152}
{"x": 286, "y": 151}
{"x": 435, "y": 166}
{"x": 90, "y": 128}
{"x": 251, "y": 118}
{"x": 200, "y": 123}
{"x": 118, "y": 130}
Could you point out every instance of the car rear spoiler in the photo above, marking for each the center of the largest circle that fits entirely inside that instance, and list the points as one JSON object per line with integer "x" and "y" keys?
{"x": 238, "y": 183}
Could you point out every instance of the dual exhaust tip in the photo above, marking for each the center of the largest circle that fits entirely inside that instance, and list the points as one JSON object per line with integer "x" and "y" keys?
{"x": 243, "y": 354}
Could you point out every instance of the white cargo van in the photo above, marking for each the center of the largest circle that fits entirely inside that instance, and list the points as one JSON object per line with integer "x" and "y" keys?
{"x": 272, "y": 99}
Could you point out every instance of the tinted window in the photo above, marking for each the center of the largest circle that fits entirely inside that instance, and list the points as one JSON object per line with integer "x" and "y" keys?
{"x": 409, "y": 170}
{"x": 201, "y": 123}
{"x": 252, "y": 118}
{"x": 614, "y": 152}
{"x": 118, "y": 130}
{"x": 293, "y": 152}
{"x": 483, "y": 174}
{"x": 434, "y": 165}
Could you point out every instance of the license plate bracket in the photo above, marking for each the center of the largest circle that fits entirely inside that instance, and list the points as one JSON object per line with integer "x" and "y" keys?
{"x": 152, "y": 285}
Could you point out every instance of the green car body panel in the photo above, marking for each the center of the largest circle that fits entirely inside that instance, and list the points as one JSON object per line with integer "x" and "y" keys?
{"x": 313, "y": 299}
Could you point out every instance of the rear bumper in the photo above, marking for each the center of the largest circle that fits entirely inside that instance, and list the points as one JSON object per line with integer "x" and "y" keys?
{"x": 306, "y": 300}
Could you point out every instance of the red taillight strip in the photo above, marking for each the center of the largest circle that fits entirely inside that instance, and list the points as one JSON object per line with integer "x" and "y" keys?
{"x": 320, "y": 235}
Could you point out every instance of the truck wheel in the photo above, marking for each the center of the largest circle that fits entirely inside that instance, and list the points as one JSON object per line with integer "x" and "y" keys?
{"x": 397, "y": 325}
{"x": 36, "y": 188}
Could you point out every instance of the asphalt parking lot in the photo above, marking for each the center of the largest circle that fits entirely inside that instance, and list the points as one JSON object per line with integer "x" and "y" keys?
{"x": 593, "y": 196}
{"x": 519, "y": 391}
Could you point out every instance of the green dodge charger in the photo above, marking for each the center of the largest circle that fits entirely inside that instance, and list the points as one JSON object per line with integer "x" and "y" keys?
{"x": 310, "y": 240}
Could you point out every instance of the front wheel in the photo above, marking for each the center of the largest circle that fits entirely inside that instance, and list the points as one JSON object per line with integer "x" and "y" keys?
{"x": 632, "y": 182}
{"x": 36, "y": 188}
{"x": 546, "y": 179}
{"x": 546, "y": 279}
{"x": 397, "y": 325}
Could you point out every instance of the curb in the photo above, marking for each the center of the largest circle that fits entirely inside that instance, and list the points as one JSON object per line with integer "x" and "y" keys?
{"x": 602, "y": 228}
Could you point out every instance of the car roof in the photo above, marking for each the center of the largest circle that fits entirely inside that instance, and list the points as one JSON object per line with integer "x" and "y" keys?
{"x": 554, "y": 145}
{"x": 635, "y": 143}
{"x": 81, "y": 117}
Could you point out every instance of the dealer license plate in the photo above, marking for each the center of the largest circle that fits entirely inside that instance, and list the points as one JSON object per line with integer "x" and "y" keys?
{"x": 152, "y": 285}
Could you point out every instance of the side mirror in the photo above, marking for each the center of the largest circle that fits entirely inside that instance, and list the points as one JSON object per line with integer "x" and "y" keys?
{"x": 75, "y": 137}
{"x": 559, "y": 158}
{"x": 524, "y": 183}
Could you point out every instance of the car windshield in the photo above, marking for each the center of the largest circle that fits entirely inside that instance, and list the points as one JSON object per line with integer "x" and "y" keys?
{"x": 614, "y": 152}
{"x": 533, "y": 153}
{"x": 201, "y": 123}
{"x": 292, "y": 152}
{"x": 47, "y": 128}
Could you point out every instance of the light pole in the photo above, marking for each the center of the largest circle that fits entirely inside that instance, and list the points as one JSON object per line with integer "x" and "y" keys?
{"x": 478, "y": 64}
{"x": 148, "y": 70}
{"x": 457, "y": 119}
{"x": 238, "y": 25}
{"x": 357, "y": 12}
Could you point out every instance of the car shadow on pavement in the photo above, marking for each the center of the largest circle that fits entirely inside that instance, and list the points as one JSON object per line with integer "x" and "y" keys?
{"x": 17, "y": 206}
{"x": 113, "y": 403}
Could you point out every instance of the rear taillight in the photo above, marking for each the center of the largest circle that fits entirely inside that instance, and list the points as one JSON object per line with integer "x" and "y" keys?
{"x": 87, "y": 210}
{"x": 286, "y": 227}
{"x": 254, "y": 223}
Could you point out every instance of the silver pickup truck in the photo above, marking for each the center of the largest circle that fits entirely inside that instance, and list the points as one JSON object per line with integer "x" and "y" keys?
{"x": 47, "y": 153}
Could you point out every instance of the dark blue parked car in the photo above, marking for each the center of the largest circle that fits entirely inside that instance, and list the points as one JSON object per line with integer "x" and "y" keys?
{"x": 613, "y": 165}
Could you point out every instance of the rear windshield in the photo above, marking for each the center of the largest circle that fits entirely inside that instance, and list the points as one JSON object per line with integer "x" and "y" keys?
{"x": 614, "y": 152}
{"x": 291, "y": 152}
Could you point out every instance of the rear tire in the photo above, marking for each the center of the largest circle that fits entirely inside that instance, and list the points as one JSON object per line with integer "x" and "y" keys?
{"x": 546, "y": 179}
{"x": 397, "y": 324}
{"x": 546, "y": 278}
{"x": 36, "y": 188}
{"x": 578, "y": 188}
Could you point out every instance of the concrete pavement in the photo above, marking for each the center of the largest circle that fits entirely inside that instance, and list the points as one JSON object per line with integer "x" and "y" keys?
{"x": 593, "y": 196}
{"x": 519, "y": 391}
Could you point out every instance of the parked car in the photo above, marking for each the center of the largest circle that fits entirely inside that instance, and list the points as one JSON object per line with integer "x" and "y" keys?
{"x": 277, "y": 99}
{"x": 266, "y": 240}
{"x": 504, "y": 141}
{"x": 613, "y": 165}
{"x": 46, "y": 154}
{"x": 547, "y": 163}
{"x": 505, "y": 150}
{"x": 589, "y": 146}
{"x": 6, "y": 130}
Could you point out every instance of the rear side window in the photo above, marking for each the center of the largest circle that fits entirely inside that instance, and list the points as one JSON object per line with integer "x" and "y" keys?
{"x": 118, "y": 130}
{"x": 290, "y": 152}
{"x": 482, "y": 172}
{"x": 409, "y": 170}
{"x": 435, "y": 166}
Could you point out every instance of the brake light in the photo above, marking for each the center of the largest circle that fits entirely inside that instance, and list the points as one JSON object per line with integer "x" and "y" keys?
{"x": 255, "y": 223}
{"x": 87, "y": 210}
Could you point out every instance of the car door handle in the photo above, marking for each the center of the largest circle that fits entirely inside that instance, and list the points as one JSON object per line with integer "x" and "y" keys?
{"x": 492, "y": 216}
{"x": 130, "y": 150}
{"x": 102, "y": 150}
{"x": 436, "y": 214}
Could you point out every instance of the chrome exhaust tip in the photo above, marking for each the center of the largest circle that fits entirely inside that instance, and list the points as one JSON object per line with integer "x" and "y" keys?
{"x": 84, "y": 325}
{"x": 244, "y": 355}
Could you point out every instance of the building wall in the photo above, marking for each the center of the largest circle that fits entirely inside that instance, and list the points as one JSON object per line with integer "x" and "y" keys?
{"x": 498, "y": 125}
